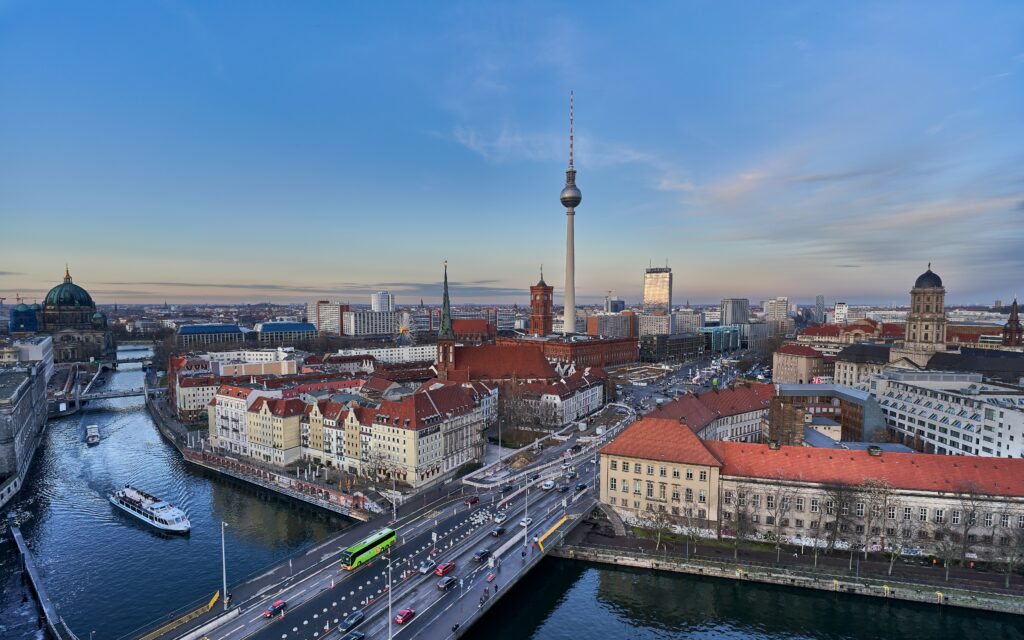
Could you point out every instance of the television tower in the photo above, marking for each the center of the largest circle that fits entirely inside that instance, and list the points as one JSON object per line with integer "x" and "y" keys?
{"x": 570, "y": 198}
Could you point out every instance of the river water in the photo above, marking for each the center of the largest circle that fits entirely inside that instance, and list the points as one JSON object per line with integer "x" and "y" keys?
{"x": 110, "y": 574}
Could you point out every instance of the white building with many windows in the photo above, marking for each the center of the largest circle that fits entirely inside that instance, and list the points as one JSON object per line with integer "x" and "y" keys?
{"x": 370, "y": 323}
{"x": 952, "y": 413}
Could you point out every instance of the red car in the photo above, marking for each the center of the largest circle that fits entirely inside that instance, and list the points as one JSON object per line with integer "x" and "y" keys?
{"x": 405, "y": 615}
{"x": 276, "y": 609}
{"x": 471, "y": 500}
{"x": 444, "y": 568}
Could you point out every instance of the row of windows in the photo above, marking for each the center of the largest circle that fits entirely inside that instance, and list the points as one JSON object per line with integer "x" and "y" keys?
{"x": 638, "y": 488}
{"x": 662, "y": 470}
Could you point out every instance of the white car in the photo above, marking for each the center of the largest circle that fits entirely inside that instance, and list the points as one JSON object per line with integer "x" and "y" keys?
{"x": 498, "y": 519}
{"x": 548, "y": 485}
{"x": 525, "y": 522}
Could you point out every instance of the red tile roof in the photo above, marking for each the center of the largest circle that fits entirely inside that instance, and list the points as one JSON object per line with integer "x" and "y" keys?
{"x": 494, "y": 362}
{"x": 280, "y": 408}
{"x": 825, "y": 330}
{"x": 473, "y": 326}
{"x": 376, "y": 383}
{"x": 798, "y": 350}
{"x": 914, "y": 471}
{"x": 426, "y": 407}
{"x": 662, "y": 440}
{"x": 698, "y": 412}
{"x": 893, "y": 330}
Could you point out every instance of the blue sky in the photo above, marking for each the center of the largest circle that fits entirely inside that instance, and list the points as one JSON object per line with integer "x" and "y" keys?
{"x": 251, "y": 151}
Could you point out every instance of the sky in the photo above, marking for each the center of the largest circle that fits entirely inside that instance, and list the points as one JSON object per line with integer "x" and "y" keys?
{"x": 237, "y": 151}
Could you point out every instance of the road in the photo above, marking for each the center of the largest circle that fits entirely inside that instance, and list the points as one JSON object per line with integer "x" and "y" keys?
{"x": 320, "y": 600}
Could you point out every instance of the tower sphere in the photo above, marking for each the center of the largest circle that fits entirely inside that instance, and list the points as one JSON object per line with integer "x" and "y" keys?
{"x": 571, "y": 196}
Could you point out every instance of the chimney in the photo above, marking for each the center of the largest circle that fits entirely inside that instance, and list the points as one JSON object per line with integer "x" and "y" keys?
{"x": 773, "y": 445}
{"x": 875, "y": 450}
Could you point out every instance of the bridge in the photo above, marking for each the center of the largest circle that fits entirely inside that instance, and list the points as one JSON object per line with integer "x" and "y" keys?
{"x": 106, "y": 395}
{"x": 512, "y": 518}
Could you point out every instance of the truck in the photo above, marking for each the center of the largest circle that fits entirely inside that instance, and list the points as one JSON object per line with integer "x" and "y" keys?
{"x": 599, "y": 431}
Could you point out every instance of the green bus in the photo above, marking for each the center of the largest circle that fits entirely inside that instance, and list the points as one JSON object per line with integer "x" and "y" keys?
{"x": 367, "y": 549}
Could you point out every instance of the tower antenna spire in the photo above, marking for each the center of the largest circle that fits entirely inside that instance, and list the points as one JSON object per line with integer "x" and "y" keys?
{"x": 570, "y": 127}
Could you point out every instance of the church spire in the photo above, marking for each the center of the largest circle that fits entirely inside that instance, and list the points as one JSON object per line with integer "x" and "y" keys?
{"x": 446, "y": 332}
{"x": 67, "y": 273}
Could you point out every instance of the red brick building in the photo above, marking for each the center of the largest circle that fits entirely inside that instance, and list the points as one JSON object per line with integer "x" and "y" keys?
{"x": 541, "y": 316}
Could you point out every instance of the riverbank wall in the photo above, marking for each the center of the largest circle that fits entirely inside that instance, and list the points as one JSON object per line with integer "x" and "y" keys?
{"x": 870, "y": 587}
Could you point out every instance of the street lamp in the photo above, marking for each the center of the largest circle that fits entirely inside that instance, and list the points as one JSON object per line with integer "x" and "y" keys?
{"x": 223, "y": 565}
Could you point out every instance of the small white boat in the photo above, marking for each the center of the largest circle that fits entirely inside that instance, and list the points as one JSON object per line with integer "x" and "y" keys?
{"x": 151, "y": 509}
{"x": 92, "y": 435}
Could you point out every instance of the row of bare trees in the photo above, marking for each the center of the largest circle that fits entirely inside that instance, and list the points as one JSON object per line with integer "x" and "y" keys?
{"x": 873, "y": 516}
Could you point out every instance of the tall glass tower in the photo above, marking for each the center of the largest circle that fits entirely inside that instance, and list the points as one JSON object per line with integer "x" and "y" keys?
{"x": 658, "y": 291}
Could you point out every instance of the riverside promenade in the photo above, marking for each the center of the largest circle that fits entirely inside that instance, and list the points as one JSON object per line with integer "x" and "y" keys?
{"x": 911, "y": 581}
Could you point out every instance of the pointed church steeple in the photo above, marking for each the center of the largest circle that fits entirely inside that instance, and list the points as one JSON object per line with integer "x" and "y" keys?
{"x": 446, "y": 332}
{"x": 67, "y": 273}
{"x": 1013, "y": 331}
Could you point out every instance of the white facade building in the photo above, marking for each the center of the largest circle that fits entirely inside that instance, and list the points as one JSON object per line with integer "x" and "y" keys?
{"x": 325, "y": 315}
{"x": 396, "y": 355}
{"x": 370, "y": 323}
{"x": 382, "y": 301}
{"x": 841, "y": 313}
{"x": 952, "y": 413}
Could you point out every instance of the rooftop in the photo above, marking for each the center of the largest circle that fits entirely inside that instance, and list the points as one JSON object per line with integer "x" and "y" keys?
{"x": 662, "y": 440}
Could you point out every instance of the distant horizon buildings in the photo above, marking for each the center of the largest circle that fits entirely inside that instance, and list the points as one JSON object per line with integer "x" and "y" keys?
{"x": 734, "y": 311}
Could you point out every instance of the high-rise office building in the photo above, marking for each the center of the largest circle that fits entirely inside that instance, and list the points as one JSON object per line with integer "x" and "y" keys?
{"x": 658, "y": 291}
{"x": 735, "y": 311}
{"x": 382, "y": 301}
{"x": 613, "y": 305}
{"x": 777, "y": 309}
{"x": 819, "y": 309}
{"x": 841, "y": 313}
{"x": 326, "y": 315}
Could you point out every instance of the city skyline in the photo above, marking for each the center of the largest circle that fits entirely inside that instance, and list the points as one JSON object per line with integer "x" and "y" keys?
{"x": 835, "y": 156}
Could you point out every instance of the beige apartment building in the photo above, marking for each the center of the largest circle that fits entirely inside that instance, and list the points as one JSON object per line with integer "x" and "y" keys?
{"x": 797, "y": 364}
{"x": 274, "y": 430}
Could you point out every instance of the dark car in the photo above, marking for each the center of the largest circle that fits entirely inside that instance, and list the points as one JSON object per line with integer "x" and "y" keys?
{"x": 562, "y": 488}
{"x": 581, "y": 487}
{"x": 355, "y": 635}
{"x": 576, "y": 448}
{"x": 482, "y": 555}
{"x": 352, "y": 621}
{"x": 471, "y": 500}
{"x": 500, "y": 531}
{"x": 447, "y": 582}
{"x": 275, "y": 609}
{"x": 535, "y": 476}
{"x": 505, "y": 488}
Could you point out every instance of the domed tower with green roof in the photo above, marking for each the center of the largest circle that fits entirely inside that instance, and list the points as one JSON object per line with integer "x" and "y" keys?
{"x": 79, "y": 331}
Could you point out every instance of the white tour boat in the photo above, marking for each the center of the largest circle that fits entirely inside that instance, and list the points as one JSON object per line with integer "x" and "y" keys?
{"x": 151, "y": 509}
{"x": 92, "y": 435}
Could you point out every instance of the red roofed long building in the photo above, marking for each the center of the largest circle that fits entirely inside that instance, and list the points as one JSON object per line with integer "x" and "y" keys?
{"x": 733, "y": 413}
{"x": 803, "y": 495}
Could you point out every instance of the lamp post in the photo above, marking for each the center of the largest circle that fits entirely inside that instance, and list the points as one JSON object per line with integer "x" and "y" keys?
{"x": 526, "y": 518}
{"x": 223, "y": 565}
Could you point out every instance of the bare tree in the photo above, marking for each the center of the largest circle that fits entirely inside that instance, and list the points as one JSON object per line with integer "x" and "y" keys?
{"x": 778, "y": 505}
{"x": 1012, "y": 545}
{"x": 947, "y": 545}
{"x": 740, "y": 512}
{"x": 965, "y": 516}
{"x": 876, "y": 496}
{"x": 838, "y": 515}
{"x": 661, "y": 520}
{"x": 907, "y": 530}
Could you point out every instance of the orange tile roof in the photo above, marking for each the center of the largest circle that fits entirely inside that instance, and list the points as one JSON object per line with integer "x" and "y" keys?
{"x": 893, "y": 330}
{"x": 662, "y": 440}
{"x": 829, "y": 330}
{"x": 913, "y": 471}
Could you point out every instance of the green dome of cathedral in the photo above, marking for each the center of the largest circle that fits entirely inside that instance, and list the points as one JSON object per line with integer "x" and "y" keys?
{"x": 68, "y": 294}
